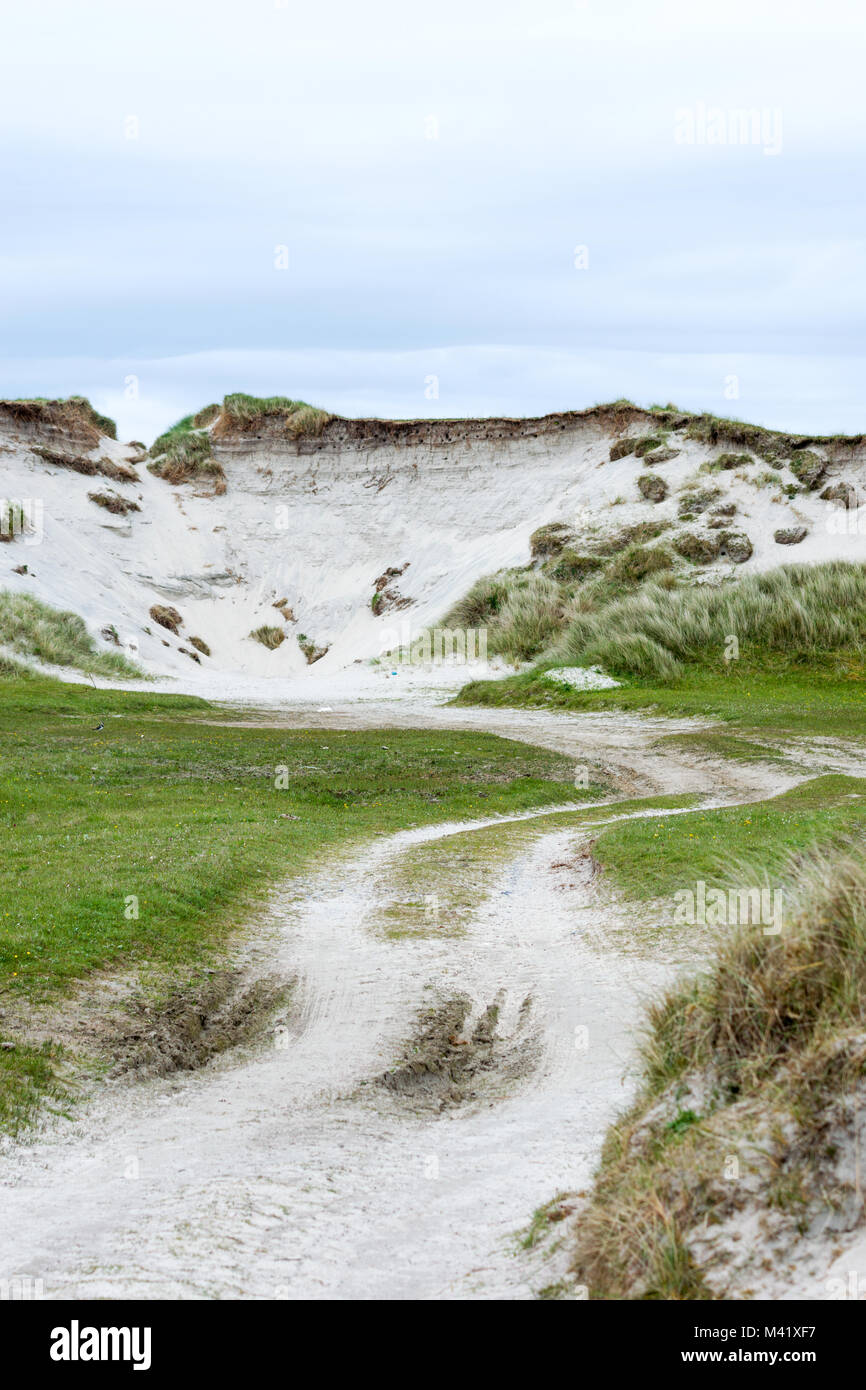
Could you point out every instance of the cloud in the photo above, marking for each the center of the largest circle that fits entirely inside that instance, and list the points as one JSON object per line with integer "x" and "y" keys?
{"x": 430, "y": 173}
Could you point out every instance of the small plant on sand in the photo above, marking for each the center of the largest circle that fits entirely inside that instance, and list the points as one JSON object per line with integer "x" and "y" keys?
{"x": 114, "y": 503}
{"x": 166, "y": 616}
{"x": 310, "y": 650}
{"x": 270, "y": 637}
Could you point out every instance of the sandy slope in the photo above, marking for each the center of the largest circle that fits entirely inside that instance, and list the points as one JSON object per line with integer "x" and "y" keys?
{"x": 318, "y": 521}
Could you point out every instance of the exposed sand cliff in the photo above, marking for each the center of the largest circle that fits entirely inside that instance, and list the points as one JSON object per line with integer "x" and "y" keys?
{"x": 318, "y": 519}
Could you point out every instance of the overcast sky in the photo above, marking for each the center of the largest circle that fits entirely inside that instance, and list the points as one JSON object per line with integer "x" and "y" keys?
{"x": 448, "y": 208}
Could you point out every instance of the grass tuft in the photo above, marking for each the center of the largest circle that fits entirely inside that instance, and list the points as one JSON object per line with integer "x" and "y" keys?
{"x": 56, "y": 637}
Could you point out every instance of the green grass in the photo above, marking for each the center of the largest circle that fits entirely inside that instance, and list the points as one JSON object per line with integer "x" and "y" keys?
{"x": 766, "y": 695}
{"x": 29, "y": 1078}
{"x": 794, "y": 613}
{"x": 727, "y": 747}
{"x": 299, "y": 418}
{"x": 58, "y": 638}
{"x": 655, "y": 858}
{"x": 797, "y": 666}
{"x": 23, "y": 691}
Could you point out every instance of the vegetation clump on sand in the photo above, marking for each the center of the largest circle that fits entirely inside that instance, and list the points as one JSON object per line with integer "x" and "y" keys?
{"x": 167, "y": 617}
{"x": 754, "y": 1076}
{"x": 184, "y": 455}
{"x": 270, "y": 637}
{"x": 524, "y": 611}
{"x": 241, "y": 413}
{"x": 58, "y": 638}
{"x": 89, "y": 467}
{"x": 311, "y": 651}
{"x": 652, "y": 487}
{"x": 112, "y": 502}
{"x": 521, "y": 611}
{"x": 73, "y": 415}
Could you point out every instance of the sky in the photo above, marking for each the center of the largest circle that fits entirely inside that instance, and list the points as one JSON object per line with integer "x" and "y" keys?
{"x": 440, "y": 209}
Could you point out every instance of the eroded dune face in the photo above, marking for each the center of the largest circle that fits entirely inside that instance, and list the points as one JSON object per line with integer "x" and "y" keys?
{"x": 338, "y": 539}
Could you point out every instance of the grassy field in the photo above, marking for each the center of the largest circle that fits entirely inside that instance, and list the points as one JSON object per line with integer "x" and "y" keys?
{"x": 653, "y": 858}
{"x": 188, "y": 825}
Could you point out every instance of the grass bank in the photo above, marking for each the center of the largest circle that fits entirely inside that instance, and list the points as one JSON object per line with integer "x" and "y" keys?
{"x": 770, "y": 696}
{"x": 31, "y": 628}
{"x": 736, "y": 1172}
{"x": 778, "y": 651}
{"x": 655, "y": 858}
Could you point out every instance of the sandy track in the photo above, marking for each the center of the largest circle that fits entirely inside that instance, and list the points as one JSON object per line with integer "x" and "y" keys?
{"x": 281, "y": 1176}
{"x": 619, "y": 744}
{"x": 290, "y": 1172}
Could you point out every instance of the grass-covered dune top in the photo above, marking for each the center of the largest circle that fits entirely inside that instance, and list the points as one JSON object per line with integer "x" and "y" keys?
{"x": 185, "y": 452}
{"x": 748, "y": 1124}
{"x": 74, "y": 416}
{"x": 243, "y": 414}
{"x": 31, "y": 628}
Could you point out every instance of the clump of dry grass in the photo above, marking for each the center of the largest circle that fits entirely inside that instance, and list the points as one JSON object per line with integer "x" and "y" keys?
{"x": 192, "y": 468}
{"x": 166, "y": 616}
{"x": 270, "y": 637}
{"x": 113, "y": 503}
{"x": 78, "y": 463}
